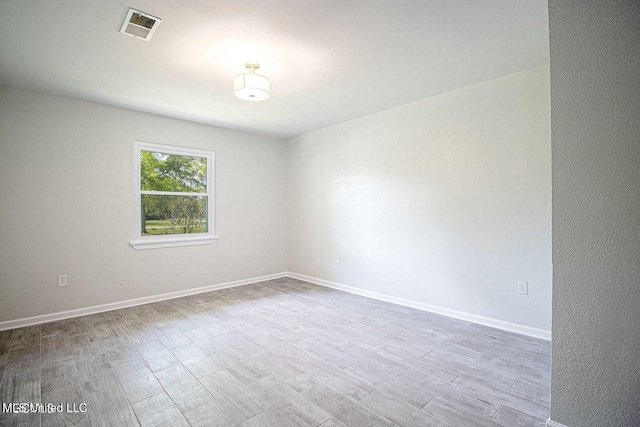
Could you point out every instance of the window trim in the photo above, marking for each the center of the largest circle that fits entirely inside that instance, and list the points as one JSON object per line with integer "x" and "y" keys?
{"x": 172, "y": 240}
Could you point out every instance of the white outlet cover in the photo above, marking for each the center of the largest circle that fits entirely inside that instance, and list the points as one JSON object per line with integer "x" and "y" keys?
{"x": 523, "y": 288}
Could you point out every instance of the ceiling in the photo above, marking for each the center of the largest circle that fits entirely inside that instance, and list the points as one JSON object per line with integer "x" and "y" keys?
{"x": 328, "y": 61}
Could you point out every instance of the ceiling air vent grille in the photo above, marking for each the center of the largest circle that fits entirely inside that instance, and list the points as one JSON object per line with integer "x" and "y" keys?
{"x": 139, "y": 24}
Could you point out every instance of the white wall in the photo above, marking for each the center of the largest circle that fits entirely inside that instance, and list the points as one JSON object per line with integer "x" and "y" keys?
{"x": 66, "y": 206}
{"x": 445, "y": 201}
{"x": 595, "y": 100}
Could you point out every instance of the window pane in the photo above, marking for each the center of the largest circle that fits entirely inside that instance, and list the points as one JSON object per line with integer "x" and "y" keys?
{"x": 173, "y": 214}
{"x": 172, "y": 172}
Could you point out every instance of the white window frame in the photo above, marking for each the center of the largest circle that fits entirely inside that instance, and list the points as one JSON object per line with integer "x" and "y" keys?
{"x": 172, "y": 240}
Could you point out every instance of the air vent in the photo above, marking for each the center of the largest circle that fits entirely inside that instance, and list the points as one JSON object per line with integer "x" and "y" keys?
{"x": 139, "y": 24}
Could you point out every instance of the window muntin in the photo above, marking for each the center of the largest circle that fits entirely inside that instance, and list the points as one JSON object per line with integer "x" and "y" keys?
{"x": 174, "y": 194}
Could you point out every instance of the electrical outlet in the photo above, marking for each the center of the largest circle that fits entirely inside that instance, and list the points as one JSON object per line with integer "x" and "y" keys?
{"x": 62, "y": 280}
{"x": 338, "y": 260}
{"x": 258, "y": 255}
{"x": 523, "y": 288}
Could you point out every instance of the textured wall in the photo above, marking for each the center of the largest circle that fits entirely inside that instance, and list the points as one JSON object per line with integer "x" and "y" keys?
{"x": 66, "y": 182}
{"x": 595, "y": 105}
{"x": 444, "y": 201}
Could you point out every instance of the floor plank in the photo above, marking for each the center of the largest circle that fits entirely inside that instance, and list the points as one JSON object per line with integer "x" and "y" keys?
{"x": 211, "y": 414}
{"x": 238, "y": 402}
{"x": 271, "y": 418}
{"x": 183, "y": 388}
{"x": 109, "y": 408}
{"x": 343, "y": 408}
{"x": 158, "y": 410}
{"x": 398, "y": 411}
{"x": 290, "y": 402}
{"x": 333, "y": 376}
{"x": 455, "y": 415}
{"x": 195, "y": 360}
{"x": 509, "y": 417}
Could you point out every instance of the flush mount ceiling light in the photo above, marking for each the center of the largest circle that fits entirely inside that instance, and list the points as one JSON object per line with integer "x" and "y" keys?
{"x": 251, "y": 86}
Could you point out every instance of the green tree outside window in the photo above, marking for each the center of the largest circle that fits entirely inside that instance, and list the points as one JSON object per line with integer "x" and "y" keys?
{"x": 173, "y": 191}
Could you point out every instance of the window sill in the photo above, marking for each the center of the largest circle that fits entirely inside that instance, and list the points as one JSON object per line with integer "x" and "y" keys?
{"x": 171, "y": 243}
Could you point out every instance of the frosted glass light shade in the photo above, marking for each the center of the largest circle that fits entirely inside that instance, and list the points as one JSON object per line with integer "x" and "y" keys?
{"x": 251, "y": 87}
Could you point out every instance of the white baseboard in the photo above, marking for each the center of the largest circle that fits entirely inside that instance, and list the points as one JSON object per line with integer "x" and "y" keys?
{"x": 68, "y": 314}
{"x": 487, "y": 321}
{"x": 551, "y": 423}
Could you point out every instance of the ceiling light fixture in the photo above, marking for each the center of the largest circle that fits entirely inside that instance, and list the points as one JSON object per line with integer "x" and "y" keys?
{"x": 251, "y": 86}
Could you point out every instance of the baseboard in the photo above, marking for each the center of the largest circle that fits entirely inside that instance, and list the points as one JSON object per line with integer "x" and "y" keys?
{"x": 68, "y": 314}
{"x": 487, "y": 321}
{"x": 551, "y": 423}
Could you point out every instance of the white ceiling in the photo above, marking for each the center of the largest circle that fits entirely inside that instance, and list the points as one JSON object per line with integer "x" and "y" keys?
{"x": 328, "y": 60}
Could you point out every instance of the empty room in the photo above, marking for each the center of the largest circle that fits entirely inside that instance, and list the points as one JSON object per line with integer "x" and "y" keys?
{"x": 320, "y": 213}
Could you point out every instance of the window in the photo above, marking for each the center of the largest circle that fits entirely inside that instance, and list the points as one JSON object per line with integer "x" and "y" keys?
{"x": 173, "y": 196}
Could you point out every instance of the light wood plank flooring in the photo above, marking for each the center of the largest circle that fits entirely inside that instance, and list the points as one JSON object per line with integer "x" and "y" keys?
{"x": 277, "y": 353}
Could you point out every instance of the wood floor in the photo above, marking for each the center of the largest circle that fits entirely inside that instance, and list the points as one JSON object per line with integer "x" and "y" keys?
{"x": 277, "y": 353}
